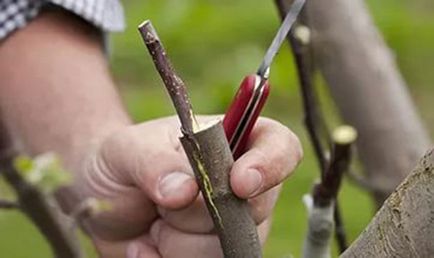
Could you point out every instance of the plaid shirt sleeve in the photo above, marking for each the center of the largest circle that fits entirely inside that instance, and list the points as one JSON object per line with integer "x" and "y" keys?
{"x": 106, "y": 15}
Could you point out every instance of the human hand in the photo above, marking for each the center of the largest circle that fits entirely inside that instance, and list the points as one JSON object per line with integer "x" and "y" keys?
{"x": 156, "y": 210}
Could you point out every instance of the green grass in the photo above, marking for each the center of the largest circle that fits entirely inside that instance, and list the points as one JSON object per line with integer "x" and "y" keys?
{"x": 213, "y": 44}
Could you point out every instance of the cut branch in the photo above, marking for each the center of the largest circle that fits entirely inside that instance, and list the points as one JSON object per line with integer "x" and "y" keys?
{"x": 210, "y": 157}
{"x": 321, "y": 205}
{"x": 327, "y": 190}
{"x": 174, "y": 84}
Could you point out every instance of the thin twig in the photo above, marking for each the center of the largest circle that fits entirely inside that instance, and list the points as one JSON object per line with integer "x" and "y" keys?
{"x": 314, "y": 121}
{"x": 174, "y": 84}
{"x": 340, "y": 233}
{"x": 36, "y": 205}
{"x": 327, "y": 191}
{"x": 362, "y": 182}
{"x": 6, "y": 204}
{"x": 329, "y": 187}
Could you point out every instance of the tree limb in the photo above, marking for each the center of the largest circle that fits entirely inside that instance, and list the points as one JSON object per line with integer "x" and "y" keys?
{"x": 368, "y": 89}
{"x": 404, "y": 225}
{"x": 38, "y": 207}
{"x": 313, "y": 120}
{"x": 211, "y": 159}
{"x": 8, "y": 205}
{"x": 174, "y": 84}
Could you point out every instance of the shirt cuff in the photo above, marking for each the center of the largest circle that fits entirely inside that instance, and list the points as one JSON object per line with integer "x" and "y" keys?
{"x": 106, "y": 15}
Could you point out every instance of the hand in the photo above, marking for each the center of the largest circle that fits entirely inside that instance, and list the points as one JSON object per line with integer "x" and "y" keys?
{"x": 156, "y": 210}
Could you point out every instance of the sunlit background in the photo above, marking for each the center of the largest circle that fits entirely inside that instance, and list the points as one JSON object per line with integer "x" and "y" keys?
{"x": 213, "y": 44}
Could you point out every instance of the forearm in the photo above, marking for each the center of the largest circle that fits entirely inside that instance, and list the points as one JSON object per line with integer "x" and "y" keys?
{"x": 56, "y": 92}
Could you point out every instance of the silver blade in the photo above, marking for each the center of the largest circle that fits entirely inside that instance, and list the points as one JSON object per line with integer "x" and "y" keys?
{"x": 280, "y": 37}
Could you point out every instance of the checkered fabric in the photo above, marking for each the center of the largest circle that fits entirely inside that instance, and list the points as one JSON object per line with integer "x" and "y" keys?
{"x": 106, "y": 15}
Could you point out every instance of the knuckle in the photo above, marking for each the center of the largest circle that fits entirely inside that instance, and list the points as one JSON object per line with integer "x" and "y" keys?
{"x": 297, "y": 149}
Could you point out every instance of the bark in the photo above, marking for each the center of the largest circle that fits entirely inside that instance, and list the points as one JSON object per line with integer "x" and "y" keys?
{"x": 368, "y": 89}
{"x": 320, "y": 229}
{"x": 39, "y": 208}
{"x": 404, "y": 226}
{"x": 175, "y": 86}
{"x": 211, "y": 159}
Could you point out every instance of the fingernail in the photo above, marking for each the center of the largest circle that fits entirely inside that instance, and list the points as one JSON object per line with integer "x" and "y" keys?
{"x": 172, "y": 183}
{"x": 133, "y": 251}
{"x": 253, "y": 181}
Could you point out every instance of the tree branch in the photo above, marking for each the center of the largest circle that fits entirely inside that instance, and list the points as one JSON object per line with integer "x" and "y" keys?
{"x": 174, "y": 84}
{"x": 299, "y": 39}
{"x": 327, "y": 190}
{"x": 6, "y": 204}
{"x": 370, "y": 93}
{"x": 40, "y": 210}
{"x": 363, "y": 182}
{"x": 404, "y": 225}
{"x": 312, "y": 119}
{"x": 322, "y": 207}
{"x": 211, "y": 159}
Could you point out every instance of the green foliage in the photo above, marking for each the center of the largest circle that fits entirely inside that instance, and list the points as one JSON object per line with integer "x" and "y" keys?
{"x": 44, "y": 171}
{"x": 213, "y": 44}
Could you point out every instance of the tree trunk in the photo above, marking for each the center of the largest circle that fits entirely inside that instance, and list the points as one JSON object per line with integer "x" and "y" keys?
{"x": 404, "y": 226}
{"x": 368, "y": 90}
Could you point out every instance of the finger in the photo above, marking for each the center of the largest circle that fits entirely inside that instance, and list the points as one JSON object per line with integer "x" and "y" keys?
{"x": 196, "y": 219}
{"x": 109, "y": 249}
{"x": 273, "y": 153}
{"x": 148, "y": 156}
{"x": 142, "y": 247}
{"x": 172, "y": 243}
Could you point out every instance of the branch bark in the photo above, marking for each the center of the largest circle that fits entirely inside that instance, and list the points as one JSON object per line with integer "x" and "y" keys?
{"x": 211, "y": 159}
{"x": 43, "y": 213}
{"x": 368, "y": 89}
{"x": 9, "y": 205}
{"x": 404, "y": 226}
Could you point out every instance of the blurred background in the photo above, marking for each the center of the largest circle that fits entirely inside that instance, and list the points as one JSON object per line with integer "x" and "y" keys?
{"x": 213, "y": 44}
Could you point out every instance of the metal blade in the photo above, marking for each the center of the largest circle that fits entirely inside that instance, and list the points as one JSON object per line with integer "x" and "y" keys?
{"x": 280, "y": 37}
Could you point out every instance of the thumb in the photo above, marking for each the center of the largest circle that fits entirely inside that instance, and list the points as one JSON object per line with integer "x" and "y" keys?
{"x": 149, "y": 157}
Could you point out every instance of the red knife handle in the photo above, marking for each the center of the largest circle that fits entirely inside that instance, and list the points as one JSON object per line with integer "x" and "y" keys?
{"x": 244, "y": 111}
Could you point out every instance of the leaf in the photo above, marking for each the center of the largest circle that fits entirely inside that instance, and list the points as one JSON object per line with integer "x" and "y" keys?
{"x": 44, "y": 171}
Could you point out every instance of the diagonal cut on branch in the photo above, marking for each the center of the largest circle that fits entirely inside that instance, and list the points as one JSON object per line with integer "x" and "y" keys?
{"x": 174, "y": 84}
{"x": 322, "y": 207}
{"x": 327, "y": 190}
{"x": 211, "y": 159}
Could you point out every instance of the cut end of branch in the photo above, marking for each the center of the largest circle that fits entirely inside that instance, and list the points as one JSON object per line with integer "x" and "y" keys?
{"x": 344, "y": 135}
{"x": 174, "y": 85}
{"x": 148, "y": 32}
